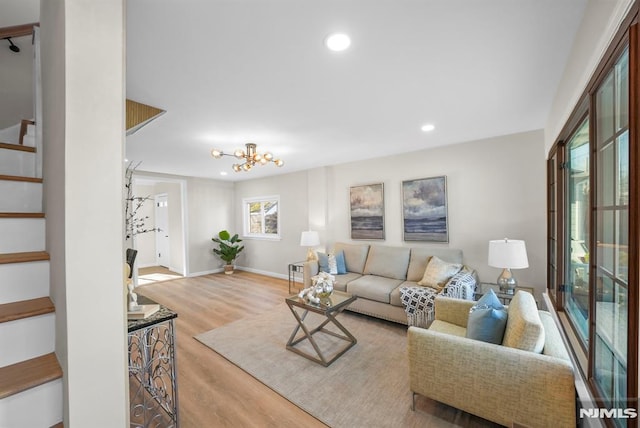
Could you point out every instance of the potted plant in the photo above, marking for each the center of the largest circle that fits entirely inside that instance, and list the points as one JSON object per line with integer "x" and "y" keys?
{"x": 228, "y": 249}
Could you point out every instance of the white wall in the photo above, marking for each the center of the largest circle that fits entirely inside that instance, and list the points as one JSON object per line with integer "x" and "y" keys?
{"x": 269, "y": 256}
{"x": 83, "y": 96}
{"x": 209, "y": 210}
{"x": 496, "y": 189}
{"x": 600, "y": 22}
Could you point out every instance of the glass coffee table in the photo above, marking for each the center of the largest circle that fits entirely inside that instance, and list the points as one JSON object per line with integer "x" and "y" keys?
{"x": 329, "y": 308}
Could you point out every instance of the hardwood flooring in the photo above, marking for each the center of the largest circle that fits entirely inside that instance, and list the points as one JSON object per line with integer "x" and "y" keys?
{"x": 212, "y": 392}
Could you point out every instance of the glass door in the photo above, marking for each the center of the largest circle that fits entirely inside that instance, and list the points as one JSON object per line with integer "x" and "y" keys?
{"x": 576, "y": 290}
{"x": 611, "y": 214}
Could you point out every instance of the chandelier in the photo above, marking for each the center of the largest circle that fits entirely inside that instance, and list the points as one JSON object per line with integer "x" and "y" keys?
{"x": 251, "y": 158}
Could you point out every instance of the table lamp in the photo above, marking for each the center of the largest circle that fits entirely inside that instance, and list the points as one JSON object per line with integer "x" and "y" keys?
{"x": 310, "y": 239}
{"x": 507, "y": 254}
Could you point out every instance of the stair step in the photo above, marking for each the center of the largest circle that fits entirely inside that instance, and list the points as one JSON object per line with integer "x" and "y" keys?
{"x": 23, "y": 281}
{"x": 28, "y": 374}
{"x": 29, "y": 338}
{"x": 21, "y": 215}
{"x": 20, "y": 178}
{"x": 30, "y": 256}
{"x": 26, "y": 308}
{"x": 21, "y": 194}
{"x": 17, "y": 147}
{"x": 58, "y": 425}
{"x": 22, "y": 234}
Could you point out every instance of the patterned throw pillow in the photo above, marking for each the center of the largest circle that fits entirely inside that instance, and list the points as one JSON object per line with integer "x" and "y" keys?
{"x": 487, "y": 319}
{"x": 438, "y": 272}
{"x": 461, "y": 286}
{"x": 333, "y": 264}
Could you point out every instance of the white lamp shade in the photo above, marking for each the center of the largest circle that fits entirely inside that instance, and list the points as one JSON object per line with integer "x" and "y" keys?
{"x": 508, "y": 253}
{"x": 309, "y": 238}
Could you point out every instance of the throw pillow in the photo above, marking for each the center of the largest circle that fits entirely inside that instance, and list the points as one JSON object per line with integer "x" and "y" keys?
{"x": 323, "y": 262}
{"x": 438, "y": 272}
{"x": 461, "y": 286}
{"x": 342, "y": 265}
{"x": 487, "y": 319}
{"x": 333, "y": 264}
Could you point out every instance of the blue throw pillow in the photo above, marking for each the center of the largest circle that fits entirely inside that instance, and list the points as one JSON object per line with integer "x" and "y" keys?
{"x": 487, "y": 319}
{"x": 342, "y": 266}
{"x": 323, "y": 262}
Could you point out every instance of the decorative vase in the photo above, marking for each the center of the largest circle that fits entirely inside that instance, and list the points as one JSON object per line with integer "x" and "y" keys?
{"x": 324, "y": 289}
{"x": 228, "y": 269}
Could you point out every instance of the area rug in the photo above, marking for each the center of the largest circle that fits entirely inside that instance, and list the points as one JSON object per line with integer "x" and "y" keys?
{"x": 368, "y": 386}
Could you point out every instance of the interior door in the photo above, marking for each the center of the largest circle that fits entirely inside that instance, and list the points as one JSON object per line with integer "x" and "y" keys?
{"x": 162, "y": 230}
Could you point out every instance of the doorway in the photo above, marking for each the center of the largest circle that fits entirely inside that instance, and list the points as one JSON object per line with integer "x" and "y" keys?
{"x": 163, "y": 241}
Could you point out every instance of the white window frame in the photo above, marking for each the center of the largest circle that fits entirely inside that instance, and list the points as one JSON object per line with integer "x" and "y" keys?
{"x": 246, "y": 230}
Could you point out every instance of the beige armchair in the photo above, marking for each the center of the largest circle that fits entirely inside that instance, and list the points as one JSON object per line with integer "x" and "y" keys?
{"x": 496, "y": 382}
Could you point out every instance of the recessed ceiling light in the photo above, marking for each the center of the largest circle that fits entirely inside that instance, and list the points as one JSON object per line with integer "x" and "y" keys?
{"x": 337, "y": 42}
{"x": 223, "y": 173}
{"x": 428, "y": 127}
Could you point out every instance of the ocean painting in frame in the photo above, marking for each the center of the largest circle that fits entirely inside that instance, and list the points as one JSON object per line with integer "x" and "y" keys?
{"x": 424, "y": 209}
{"x": 367, "y": 211}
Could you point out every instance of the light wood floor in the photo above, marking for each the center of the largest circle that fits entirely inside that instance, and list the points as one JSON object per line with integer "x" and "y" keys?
{"x": 213, "y": 392}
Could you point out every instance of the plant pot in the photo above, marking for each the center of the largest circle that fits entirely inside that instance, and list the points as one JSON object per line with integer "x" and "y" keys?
{"x": 228, "y": 269}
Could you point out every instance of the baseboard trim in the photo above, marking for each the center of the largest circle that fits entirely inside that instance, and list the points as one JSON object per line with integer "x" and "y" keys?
{"x": 263, "y": 272}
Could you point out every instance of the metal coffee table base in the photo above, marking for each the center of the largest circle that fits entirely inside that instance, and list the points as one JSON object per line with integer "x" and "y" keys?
{"x": 308, "y": 334}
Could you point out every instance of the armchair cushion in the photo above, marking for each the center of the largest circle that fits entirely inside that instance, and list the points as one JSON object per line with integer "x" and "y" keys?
{"x": 524, "y": 330}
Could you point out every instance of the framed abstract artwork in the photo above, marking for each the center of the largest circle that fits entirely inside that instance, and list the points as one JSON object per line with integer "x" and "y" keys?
{"x": 367, "y": 211}
{"x": 424, "y": 209}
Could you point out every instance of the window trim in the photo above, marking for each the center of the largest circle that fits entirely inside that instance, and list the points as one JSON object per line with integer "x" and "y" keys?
{"x": 246, "y": 232}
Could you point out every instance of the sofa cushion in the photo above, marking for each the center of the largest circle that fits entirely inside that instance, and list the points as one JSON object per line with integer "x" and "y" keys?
{"x": 355, "y": 255}
{"x": 438, "y": 272}
{"x": 343, "y": 280}
{"x": 390, "y": 262}
{"x": 420, "y": 257}
{"x": 487, "y": 319}
{"x": 373, "y": 287}
{"x": 553, "y": 344}
{"x": 524, "y": 328}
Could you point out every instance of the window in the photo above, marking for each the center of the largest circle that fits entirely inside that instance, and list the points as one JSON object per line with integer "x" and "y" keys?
{"x": 593, "y": 228}
{"x": 261, "y": 217}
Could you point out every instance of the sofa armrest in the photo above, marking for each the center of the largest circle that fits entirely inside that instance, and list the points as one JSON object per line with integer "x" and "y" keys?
{"x": 309, "y": 269}
{"x": 504, "y": 385}
{"x": 454, "y": 311}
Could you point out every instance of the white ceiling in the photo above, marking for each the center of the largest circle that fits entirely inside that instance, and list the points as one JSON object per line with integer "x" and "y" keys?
{"x": 234, "y": 71}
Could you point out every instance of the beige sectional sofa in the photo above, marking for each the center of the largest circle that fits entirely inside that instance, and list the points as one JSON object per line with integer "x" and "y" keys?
{"x": 508, "y": 383}
{"x": 375, "y": 274}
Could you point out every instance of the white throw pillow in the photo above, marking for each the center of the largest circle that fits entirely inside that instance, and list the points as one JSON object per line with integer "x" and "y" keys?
{"x": 333, "y": 264}
{"x": 438, "y": 273}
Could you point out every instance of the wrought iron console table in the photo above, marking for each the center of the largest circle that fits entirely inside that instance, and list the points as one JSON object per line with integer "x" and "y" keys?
{"x": 153, "y": 386}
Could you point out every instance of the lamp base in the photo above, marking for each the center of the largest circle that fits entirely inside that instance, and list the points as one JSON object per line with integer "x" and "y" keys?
{"x": 311, "y": 255}
{"x": 507, "y": 282}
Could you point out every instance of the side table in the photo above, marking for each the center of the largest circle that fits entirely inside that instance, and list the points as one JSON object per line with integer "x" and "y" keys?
{"x": 504, "y": 298}
{"x": 153, "y": 385}
{"x": 295, "y": 268}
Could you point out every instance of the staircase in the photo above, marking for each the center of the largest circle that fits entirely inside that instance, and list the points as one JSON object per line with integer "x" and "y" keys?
{"x": 31, "y": 390}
